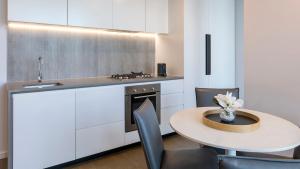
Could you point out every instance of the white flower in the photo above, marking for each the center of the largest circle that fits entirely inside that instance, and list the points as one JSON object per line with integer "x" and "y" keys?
{"x": 228, "y": 102}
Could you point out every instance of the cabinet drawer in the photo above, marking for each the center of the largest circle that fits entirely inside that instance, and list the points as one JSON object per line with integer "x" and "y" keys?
{"x": 172, "y": 86}
{"x": 166, "y": 114}
{"x": 171, "y": 100}
{"x": 99, "y": 105}
{"x": 98, "y": 139}
{"x": 132, "y": 137}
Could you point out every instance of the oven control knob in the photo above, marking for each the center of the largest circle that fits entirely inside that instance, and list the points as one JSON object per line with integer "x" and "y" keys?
{"x": 134, "y": 90}
{"x": 144, "y": 89}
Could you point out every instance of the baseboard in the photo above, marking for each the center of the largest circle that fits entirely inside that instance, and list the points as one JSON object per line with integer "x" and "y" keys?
{"x": 3, "y": 155}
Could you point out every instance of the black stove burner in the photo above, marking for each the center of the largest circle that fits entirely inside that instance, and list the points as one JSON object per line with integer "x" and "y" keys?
{"x": 133, "y": 75}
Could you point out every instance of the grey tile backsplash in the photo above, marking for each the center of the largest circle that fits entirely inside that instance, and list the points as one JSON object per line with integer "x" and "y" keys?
{"x": 76, "y": 55}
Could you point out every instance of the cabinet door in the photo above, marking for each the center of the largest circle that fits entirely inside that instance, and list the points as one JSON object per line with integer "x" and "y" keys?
{"x": 132, "y": 137}
{"x": 172, "y": 100}
{"x": 43, "y": 129}
{"x": 38, "y": 11}
{"x": 172, "y": 86}
{"x": 129, "y": 15}
{"x": 157, "y": 16}
{"x": 222, "y": 29}
{"x": 166, "y": 114}
{"x": 90, "y": 13}
{"x": 99, "y": 105}
{"x": 97, "y": 139}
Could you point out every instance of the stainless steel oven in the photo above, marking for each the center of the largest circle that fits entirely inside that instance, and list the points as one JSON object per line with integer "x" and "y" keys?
{"x": 135, "y": 97}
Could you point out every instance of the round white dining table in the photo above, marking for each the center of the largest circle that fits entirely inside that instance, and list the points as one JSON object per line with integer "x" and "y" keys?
{"x": 275, "y": 134}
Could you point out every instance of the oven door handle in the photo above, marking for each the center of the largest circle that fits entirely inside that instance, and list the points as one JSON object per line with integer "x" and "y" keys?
{"x": 140, "y": 97}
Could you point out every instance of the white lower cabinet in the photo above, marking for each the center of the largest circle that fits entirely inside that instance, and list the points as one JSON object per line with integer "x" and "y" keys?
{"x": 43, "y": 129}
{"x": 55, "y": 127}
{"x": 98, "y": 139}
{"x": 132, "y": 137}
{"x": 172, "y": 86}
{"x": 171, "y": 100}
{"x": 166, "y": 114}
{"x": 100, "y": 113}
{"x": 99, "y": 105}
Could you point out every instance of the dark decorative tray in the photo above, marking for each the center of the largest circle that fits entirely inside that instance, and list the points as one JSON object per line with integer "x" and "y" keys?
{"x": 244, "y": 122}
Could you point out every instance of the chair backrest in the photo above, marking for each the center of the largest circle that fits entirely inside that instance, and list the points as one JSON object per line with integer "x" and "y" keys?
{"x": 297, "y": 153}
{"x": 228, "y": 162}
{"x": 148, "y": 128}
{"x": 204, "y": 96}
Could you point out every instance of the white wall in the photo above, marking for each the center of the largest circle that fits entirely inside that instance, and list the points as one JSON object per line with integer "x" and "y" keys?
{"x": 169, "y": 48}
{"x": 3, "y": 56}
{"x": 272, "y": 57}
{"x": 239, "y": 46}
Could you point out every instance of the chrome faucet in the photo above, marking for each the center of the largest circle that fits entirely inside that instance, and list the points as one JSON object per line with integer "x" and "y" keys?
{"x": 40, "y": 76}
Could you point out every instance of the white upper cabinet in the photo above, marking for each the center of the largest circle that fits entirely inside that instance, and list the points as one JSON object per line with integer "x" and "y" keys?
{"x": 129, "y": 15}
{"x": 90, "y": 13}
{"x": 157, "y": 16}
{"x": 38, "y": 11}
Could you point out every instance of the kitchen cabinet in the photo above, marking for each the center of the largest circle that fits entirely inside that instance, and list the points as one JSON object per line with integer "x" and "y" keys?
{"x": 99, "y": 105}
{"x": 63, "y": 125}
{"x": 172, "y": 101}
{"x": 166, "y": 114}
{"x": 43, "y": 129}
{"x": 90, "y": 13}
{"x": 169, "y": 100}
{"x": 97, "y": 139}
{"x": 132, "y": 137}
{"x": 222, "y": 30}
{"x": 157, "y": 16}
{"x": 38, "y": 11}
{"x": 100, "y": 116}
{"x": 216, "y": 18}
{"x": 172, "y": 86}
{"x": 129, "y": 15}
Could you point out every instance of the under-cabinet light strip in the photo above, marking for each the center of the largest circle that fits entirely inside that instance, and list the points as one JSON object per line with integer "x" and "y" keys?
{"x": 42, "y": 27}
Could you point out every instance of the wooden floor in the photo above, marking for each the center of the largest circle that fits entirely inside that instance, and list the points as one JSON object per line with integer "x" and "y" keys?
{"x": 132, "y": 158}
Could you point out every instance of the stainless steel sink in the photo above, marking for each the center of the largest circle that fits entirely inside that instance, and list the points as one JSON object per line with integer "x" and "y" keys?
{"x": 41, "y": 85}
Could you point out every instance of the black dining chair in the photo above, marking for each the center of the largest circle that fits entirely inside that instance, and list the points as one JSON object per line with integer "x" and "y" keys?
{"x": 205, "y": 96}
{"x": 159, "y": 158}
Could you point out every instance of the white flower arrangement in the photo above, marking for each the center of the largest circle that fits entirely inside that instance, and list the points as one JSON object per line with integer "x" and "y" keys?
{"x": 228, "y": 102}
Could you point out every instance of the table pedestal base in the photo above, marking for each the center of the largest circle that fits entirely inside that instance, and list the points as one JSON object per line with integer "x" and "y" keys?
{"x": 230, "y": 152}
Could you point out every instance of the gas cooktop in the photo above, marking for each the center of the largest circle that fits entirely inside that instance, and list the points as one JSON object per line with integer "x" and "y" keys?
{"x": 132, "y": 75}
